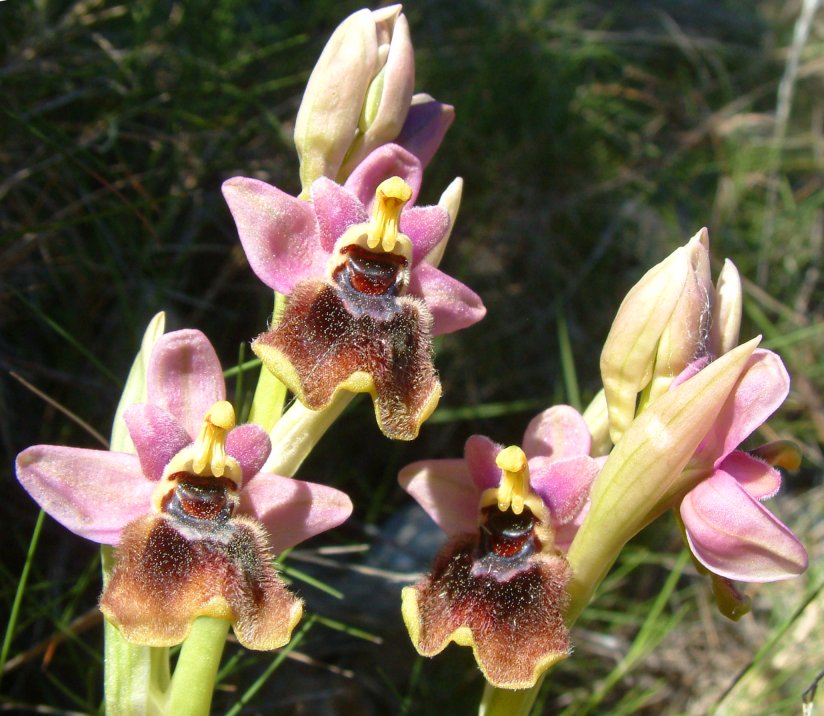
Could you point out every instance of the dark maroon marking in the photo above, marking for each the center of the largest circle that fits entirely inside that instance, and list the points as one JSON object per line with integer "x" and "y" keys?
{"x": 200, "y": 498}
{"x": 506, "y": 535}
{"x": 372, "y": 274}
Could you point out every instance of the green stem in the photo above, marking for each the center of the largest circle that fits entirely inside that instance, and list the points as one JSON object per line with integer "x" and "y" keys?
{"x": 136, "y": 677}
{"x": 270, "y": 393}
{"x": 505, "y": 702}
{"x": 299, "y": 430}
{"x": 267, "y": 403}
{"x": 21, "y": 588}
{"x": 193, "y": 683}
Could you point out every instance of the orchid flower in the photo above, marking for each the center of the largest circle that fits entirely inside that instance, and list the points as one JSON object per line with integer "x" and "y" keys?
{"x": 681, "y": 452}
{"x": 365, "y": 294}
{"x": 194, "y": 520}
{"x": 501, "y": 579}
{"x": 727, "y": 528}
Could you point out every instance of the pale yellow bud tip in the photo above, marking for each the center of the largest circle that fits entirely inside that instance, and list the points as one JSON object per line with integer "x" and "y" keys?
{"x": 209, "y": 448}
{"x": 390, "y": 198}
{"x": 514, "y": 487}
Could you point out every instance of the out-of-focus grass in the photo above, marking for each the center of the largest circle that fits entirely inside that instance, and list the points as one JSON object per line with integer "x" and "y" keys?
{"x": 593, "y": 138}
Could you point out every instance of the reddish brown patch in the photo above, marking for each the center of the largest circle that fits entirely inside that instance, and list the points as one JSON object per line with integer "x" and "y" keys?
{"x": 370, "y": 273}
{"x": 327, "y": 336}
{"x": 168, "y": 572}
{"x": 507, "y": 535}
{"x": 515, "y": 608}
{"x": 195, "y": 497}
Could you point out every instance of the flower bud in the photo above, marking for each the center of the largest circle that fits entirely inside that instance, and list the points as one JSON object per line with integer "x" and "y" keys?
{"x": 450, "y": 201}
{"x": 389, "y": 96}
{"x": 645, "y": 473}
{"x": 685, "y": 335}
{"x": 726, "y": 312}
{"x": 358, "y": 95}
{"x": 628, "y": 357}
{"x": 661, "y": 327}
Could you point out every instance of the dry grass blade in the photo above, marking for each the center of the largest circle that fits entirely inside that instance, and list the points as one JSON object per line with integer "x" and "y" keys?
{"x": 62, "y": 408}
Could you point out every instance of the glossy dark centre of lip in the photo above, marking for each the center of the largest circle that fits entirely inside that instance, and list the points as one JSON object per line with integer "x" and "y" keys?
{"x": 370, "y": 273}
{"x": 507, "y": 535}
{"x": 199, "y": 498}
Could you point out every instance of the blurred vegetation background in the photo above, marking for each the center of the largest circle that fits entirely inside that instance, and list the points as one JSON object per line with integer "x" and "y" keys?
{"x": 593, "y": 137}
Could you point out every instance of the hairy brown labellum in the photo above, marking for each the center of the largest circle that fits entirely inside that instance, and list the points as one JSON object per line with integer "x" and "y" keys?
{"x": 502, "y": 592}
{"x": 196, "y": 559}
{"x": 333, "y": 336}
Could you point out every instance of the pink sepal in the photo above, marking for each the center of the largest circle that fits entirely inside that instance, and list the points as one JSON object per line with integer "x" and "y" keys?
{"x": 93, "y": 493}
{"x": 425, "y": 127}
{"x": 557, "y": 432}
{"x": 759, "y": 479}
{"x": 386, "y": 161}
{"x": 278, "y": 233}
{"x": 453, "y": 305}
{"x": 185, "y": 377}
{"x": 446, "y": 491}
{"x": 293, "y": 510}
{"x": 760, "y": 390}
{"x": 735, "y": 536}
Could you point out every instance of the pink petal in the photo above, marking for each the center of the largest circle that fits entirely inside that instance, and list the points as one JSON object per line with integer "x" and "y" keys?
{"x": 278, "y": 233}
{"x": 558, "y": 432}
{"x": 445, "y": 489}
{"x": 453, "y": 305}
{"x": 735, "y": 536}
{"x": 564, "y": 534}
{"x": 292, "y": 510}
{"x": 93, "y": 493}
{"x": 758, "y": 478}
{"x": 250, "y": 446}
{"x": 426, "y": 227}
{"x": 425, "y": 127}
{"x": 386, "y": 161}
{"x": 563, "y": 484}
{"x": 692, "y": 369}
{"x": 157, "y": 436}
{"x": 480, "y": 453}
{"x": 185, "y": 377}
{"x": 337, "y": 209}
{"x": 759, "y": 392}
